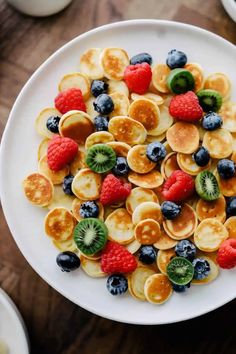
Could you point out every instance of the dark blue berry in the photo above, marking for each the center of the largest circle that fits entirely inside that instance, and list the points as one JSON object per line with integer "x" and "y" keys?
{"x": 201, "y": 156}
{"x": 201, "y": 268}
{"x": 141, "y": 58}
{"x": 176, "y": 59}
{"x": 68, "y": 261}
{"x": 212, "y": 121}
{"x": 101, "y": 123}
{"x": 186, "y": 249}
{"x": 147, "y": 254}
{"x": 53, "y": 123}
{"x": 231, "y": 207}
{"x": 170, "y": 210}
{"x": 226, "y": 168}
{"x": 121, "y": 167}
{"x": 117, "y": 284}
{"x": 89, "y": 209}
{"x": 156, "y": 151}
{"x": 98, "y": 87}
{"x": 67, "y": 185}
{"x": 103, "y": 104}
{"x": 180, "y": 288}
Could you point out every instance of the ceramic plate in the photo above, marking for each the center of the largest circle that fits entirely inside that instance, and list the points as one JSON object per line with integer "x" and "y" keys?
{"x": 19, "y": 155}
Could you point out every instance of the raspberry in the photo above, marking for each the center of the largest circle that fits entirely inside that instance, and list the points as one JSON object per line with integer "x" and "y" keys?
{"x": 186, "y": 107}
{"x": 138, "y": 77}
{"x": 70, "y": 99}
{"x": 114, "y": 190}
{"x": 178, "y": 186}
{"x": 226, "y": 257}
{"x": 117, "y": 259}
{"x": 61, "y": 151}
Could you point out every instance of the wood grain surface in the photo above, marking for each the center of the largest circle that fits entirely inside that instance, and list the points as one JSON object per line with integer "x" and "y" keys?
{"x": 55, "y": 325}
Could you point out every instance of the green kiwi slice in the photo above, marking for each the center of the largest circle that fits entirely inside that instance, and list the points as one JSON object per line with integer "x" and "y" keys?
{"x": 209, "y": 100}
{"x": 100, "y": 158}
{"x": 207, "y": 186}
{"x": 90, "y": 235}
{"x": 180, "y": 271}
{"x": 180, "y": 81}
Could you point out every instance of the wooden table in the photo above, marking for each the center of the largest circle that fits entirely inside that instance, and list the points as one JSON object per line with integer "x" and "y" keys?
{"x": 55, "y": 325}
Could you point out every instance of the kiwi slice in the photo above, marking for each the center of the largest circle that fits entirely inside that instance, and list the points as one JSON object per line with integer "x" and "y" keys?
{"x": 100, "y": 158}
{"x": 180, "y": 81}
{"x": 180, "y": 271}
{"x": 209, "y": 100}
{"x": 207, "y": 186}
{"x": 90, "y": 235}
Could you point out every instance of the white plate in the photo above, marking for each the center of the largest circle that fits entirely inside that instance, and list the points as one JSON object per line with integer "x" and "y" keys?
{"x": 18, "y": 158}
{"x": 12, "y": 328}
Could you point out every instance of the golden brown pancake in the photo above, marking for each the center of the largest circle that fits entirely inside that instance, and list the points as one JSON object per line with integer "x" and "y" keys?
{"x": 59, "y": 224}
{"x": 113, "y": 62}
{"x": 212, "y": 209}
{"x": 157, "y": 289}
{"x": 151, "y": 180}
{"x": 147, "y": 210}
{"x": 76, "y": 80}
{"x": 121, "y": 149}
{"x": 101, "y": 137}
{"x": 160, "y": 72}
{"x": 138, "y": 161}
{"x": 89, "y": 63}
{"x": 218, "y": 82}
{"x": 230, "y": 225}
{"x": 147, "y": 231}
{"x": 197, "y": 72}
{"x": 38, "y": 189}
{"x": 127, "y": 130}
{"x": 136, "y": 282}
{"x": 87, "y": 184}
{"x": 183, "y": 137}
{"x": 56, "y": 177}
{"x": 146, "y": 112}
{"x": 219, "y": 142}
{"x": 169, "y": 165}
{"x": 139, "y": 195}
{"x": 120, "y": 226}
{"x": 76, "y": 209}
{"x": 163, "y": 259}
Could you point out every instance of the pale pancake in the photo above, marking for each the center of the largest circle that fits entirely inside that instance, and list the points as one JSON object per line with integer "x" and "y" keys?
{"x": 38, "y": 189}
{"x": 230, "y": 225}
{"x": 90, "y": 108}
{"x": 87, "y": 184}
{"x": 163, "y": 259}
{"x": 121, "y": 149}
{"x": 227, "y": 186}
{"x": 90, "y": 63}
{"x": 76, "y": 209}
{"x": 160, "y": 72}
{"x": 120, "y": 226}
{"x": 75, "y": 80}
{"x": 101, "y": 137}
{"x": 121, "y": 104}
{"x": 197, "y": 72}
{"x": 157, "y": 99}
{"x": 92, "y": 257}
{"x": 92, "y": 268}
{"x": 152, "y": 179}
{"x": 43, "y": 148}
{"x": 113, "y": 62}
{"x": 78, "y": 163}
{"x": 153, "y": 139}
{"x": 183, "y": 137}
{"x": 164, "y": 242}
{"x": 188, "y": 165}
{"x": 219, "y": 142}
{"x": 133, "y": 246}
{"x": 56, "y": 177}
{"x": 147, "y": 210}
{"x": 59, "y": 224}
{"x": 214, "y": 272}
{"x": 164, "y": 123}
{"x": 138, "y": 196}
{"x": 127, "y": 130}
{"x": 147, "y": 231}
{"x": 169, "y": 165}
{"x": 136, "y": 282}
{"x": 211, "y": 209}
{"x": 117, "y": 86}
{"x": 60, "y": 199}
{"x": 228, "y": 114}
{"x": 146, "y": 112}
{"x": 138, "y": 161}
{"x": 41, "y": 120}
{"x": 157, "y": 289}
{"x": 219, "y": 82}
{"x": 68, "y": 245}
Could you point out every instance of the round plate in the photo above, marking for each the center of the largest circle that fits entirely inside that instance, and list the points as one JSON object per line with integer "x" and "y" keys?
{"x": 19, "y": 158}
{"x": 12, "y": 328}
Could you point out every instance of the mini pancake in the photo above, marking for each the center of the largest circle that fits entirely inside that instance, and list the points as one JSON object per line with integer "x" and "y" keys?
{"x": 107, "y": 211}
{"x": 146, "y": 112}
{"x": 90, "y": 108}
{"x": 212, "y": 209}
{"x": 75, "y": 80}
{"x": 152, "y": 179}
{"x": 164, "y": 242}
{"x": 147, "y": 231}
{"x": 121, "y": 149}
{"x": 101, "y": 137}
{"x": 209, "y": 235}
{"x": 92, "y": 268}
{"x": 219, "y": 82}
{"x": 201, "y": 131}
{"x": 150, "y": 96}
{"x": 68, "y": 245}
{"x": 120, "y": 226}
{"x": 160, "y": 73}
{"x": 41, "y": 120}
{"x": 43, "y": 147}
{"x": 59, "y": 224}
{"x": 87, "y": 184}
{"x": 90, "y": 63}
{"x": 219, "y": 142}
{"x": 158, "y": 192}
{"x": 163, "y": 259}
{"x": 92, "y": 257}
{"x": 113, "y": 62}
{"x": 234, "y": 141}
{"x": 133, "y": 246}
{"x": 76, "y": 125}
{"x": 147, "y": 210}
{"x": 56, "y": 177}
{"x": 169, "y": 165}
{"x": 165, "y": 122}
{"x": 38, "y": 189}
{"x": 127, "y": 130}
{"x": 137, "y": 280}
{"x": 214, "y": 272}
{"x": 188, "y": 165}
{"x": 157, "y": 289}
{"x": 168, "y": 148}
{"x": 121, "y": 104}
{"x": 138, "y": 161}
{"x": 167, "y": 99}
{"x": 228, "y": 114}
{"x": 183, "y": 137}
{"x": 227, "y": 186}
{"x": 117, "y": 86}
{"x": 138, "y": 196}
{"x": 60, "y": 199}
{"x": 230, "y": 225}
{"x": 76, "y": 209}
{"x": 153, "y": 139}
{"x": 192, "y": 201}
{"x": 78, "y": 163}
{"x": 197, "y": 72}
{"x": 184, "y": 225}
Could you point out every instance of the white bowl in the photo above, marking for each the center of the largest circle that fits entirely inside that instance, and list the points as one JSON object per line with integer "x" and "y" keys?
{"x": 230, "y": 8}
{"x": 18, "y": 158}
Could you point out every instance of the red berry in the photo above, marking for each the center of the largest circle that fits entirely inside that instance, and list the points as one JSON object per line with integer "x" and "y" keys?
{"x": 61, "y": 151}
{"x": 117, "y": 259}
{"x": 178, "y": 186}
{"x": 186, "y": 107}
{"x": 226, "y": 257}
{"x": 138, "y": 77}
{"x": 70, "y": 99}
{"x": 114, "y": 190}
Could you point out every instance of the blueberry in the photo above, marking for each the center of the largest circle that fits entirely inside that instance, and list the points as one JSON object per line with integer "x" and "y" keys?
{"x": 141, "y": 58}
{"x": 117, "y": 284}
{"x": 121, "y": 167}
{"x": 53, "y": 123}
{"x": 201, "y": 156}
{"x": 68, "y": 261}
{"x": 212, "y": 121}
{"x": 226, "y": 168}
{"x": 176, "y": 59}
{"x": 98, "y": 87}
{"x": 156, "y": 151}
{"x": 170, "y": 210}
{"x": 89, "y": 209}
{"x": 231, "y": 207}
{"x": 186, "y": 249}
{"x": 101, "y": 123}
{"x": 180, "y": 288}
{"x": 201, "y": 268}
{"x": 67, "y": 184}
{"x": 103, "y": 104}
{"x": 147, "y": 254}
